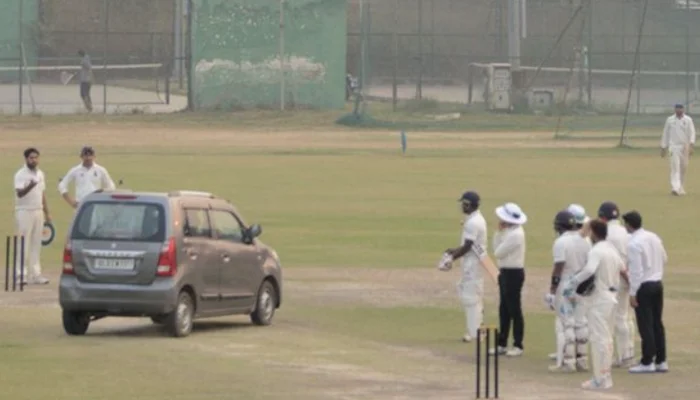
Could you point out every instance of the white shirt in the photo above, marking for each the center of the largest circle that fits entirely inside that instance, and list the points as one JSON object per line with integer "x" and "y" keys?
{"x": 34, "y": 199}
{"x": 646, "y": 258}
{"x": 618, "y": 237}
{"x": 474, "y": 229}
{"x": 678, "y": 132}
{"x": 509, "y": 247}
{"x": 605, "y": 262}
{"x": 87, "y": 180}
{"x": 571, "y": 249}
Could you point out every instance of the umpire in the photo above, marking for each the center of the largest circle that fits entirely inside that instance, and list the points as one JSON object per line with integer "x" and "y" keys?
{"x": 646, "y": 258}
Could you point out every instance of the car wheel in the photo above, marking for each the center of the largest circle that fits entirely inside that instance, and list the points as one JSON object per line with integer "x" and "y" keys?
{"x": 75, "y": 323}
{"x": 180, "y": 321}
{"x": 265, "y": 305}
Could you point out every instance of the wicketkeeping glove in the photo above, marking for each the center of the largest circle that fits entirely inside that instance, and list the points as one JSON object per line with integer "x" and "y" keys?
{"x": 445, "y": 263}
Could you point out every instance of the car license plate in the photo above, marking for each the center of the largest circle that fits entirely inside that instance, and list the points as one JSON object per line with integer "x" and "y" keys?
{"x": 117, "y": 264}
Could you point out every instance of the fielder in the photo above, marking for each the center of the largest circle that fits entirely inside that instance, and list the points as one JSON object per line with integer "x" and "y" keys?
{"x": 624, "y": 328}
{"x": 678, "y": 140}
{"x": 88, "y": 177}
{"x": 598, "y": 283}
{"x": 570, "y": 252}
{"x": 470, "y": 288}
{"x": 580, "y": 322}
{"x": 31, "y": 210}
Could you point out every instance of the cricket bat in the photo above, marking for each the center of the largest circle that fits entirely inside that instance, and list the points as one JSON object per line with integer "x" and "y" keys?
{"x": 66, "y": 77}
{"x": 486, "y": 262}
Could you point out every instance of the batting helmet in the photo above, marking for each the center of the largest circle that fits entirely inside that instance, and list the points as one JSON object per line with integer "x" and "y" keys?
{"x": 564, "y": 221}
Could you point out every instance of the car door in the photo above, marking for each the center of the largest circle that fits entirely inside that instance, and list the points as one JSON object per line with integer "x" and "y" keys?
{"x": 201, "y": 257}
{"x": 241, "y": 263}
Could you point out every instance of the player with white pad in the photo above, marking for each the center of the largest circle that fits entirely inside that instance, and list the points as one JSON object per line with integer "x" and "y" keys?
{"x": 624, "y": 325}
{"x": 570, "y": 253}
{"x": 470, "y": 287}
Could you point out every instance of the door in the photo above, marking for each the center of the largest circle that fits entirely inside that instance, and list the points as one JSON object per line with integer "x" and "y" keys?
{"x": 241, "y": 263}
{"x": 201, "y": 258}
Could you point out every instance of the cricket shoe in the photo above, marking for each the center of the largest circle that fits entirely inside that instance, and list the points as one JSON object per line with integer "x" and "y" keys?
{"x": 515, "y": 352}
{"x": 552, "y": 356}
{"x": 563, "y": 369}
{"x": 597, "y": 384}
{"x": 467, "y": 338}
{"x": 643, "y": 369}
{"x": 40, "y": 280}
{"x": 662, "y": 367}
{"x": 502, "y": 351}
{"x": 624, "y": 363}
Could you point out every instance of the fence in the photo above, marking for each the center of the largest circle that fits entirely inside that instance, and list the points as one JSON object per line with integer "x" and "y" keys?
{"x": 586, "y": 53}
{"x": 138, "y": 50}
{"x": 269, "y": 54}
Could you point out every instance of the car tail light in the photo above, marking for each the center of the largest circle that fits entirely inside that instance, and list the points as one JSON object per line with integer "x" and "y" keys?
{"x": 68, "y": 260}
{"x": 167, "y": 262}
{"x": 124, "y": 197}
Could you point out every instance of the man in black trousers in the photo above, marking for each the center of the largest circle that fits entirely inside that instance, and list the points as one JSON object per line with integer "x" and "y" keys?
{"x": 646, "y": 258}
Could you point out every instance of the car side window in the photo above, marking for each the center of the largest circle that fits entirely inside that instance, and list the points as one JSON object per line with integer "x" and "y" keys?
{"x": 196, "y": 223}
{"x": 226, "y": 226}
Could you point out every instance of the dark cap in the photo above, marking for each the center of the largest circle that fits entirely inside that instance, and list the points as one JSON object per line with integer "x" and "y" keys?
{"x": 679, "y": 105}
{"x": 87, "y": 151}
{"x": 633, "y": 219}
{"x": 609, "y": 211}
{"x": 471, "y": 198}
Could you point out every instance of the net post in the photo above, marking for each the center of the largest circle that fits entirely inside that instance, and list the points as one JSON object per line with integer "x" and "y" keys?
{"x": 634, "y": 73}
{"x": 282, "y": 77}
{"x": 21, "y": 55}
{"x": 105, "y": 55}
{"x": 189, "y": 57}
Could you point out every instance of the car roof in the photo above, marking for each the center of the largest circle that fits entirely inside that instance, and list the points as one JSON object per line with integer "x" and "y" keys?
{"x": 108, "y": 195}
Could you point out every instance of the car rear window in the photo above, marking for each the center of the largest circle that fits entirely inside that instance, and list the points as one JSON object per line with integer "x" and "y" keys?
{"x": 127, "y": 221}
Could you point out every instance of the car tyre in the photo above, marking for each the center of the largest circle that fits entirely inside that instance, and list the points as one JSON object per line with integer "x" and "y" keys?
{"x": 265, "y": 305}
{"x": 75, "y": 323}
{"x": 180, "y": 321}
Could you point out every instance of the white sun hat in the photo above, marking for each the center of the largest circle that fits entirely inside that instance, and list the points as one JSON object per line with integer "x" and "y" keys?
{"x": 511, "y": 213}
{"x": 579, "y": 213}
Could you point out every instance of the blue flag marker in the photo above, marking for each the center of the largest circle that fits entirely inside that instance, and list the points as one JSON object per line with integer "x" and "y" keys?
{"x": 403, "y": 142}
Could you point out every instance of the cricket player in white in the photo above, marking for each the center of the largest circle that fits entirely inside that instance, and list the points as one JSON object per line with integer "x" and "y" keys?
{"x": 570, "y": 252}
{"x": 598, "y": 283}
{"x": 471, "y": 287}
{"x": 678, "y": 140}
{"x": 580, "y": 322}
{"x": 31, "y": 211}
{"x": 88, "y": 177}
{"x": 618, "y": 236}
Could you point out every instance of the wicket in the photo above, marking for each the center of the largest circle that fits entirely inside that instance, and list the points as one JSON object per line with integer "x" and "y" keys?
{"x": 11, "y": 255}
{"x": 486, "y": 332}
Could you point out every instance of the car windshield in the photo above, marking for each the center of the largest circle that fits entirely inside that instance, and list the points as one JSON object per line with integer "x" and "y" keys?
{"x": 130, "y": 221}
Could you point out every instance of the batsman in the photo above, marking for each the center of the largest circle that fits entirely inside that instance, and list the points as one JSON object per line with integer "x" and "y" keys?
{"x": 570, "y": 253}
{"x": 473, "y": 243}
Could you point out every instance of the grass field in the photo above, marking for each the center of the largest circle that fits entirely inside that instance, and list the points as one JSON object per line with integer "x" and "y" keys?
{"x": 359, "y": 228}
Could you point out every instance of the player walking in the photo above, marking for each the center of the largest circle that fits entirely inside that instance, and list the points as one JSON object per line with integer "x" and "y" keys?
{"x": 85, "y": 76}
{"x": 618, "y": 236}
{"x": 598, "y": 283}
{"x": 570, "y": 252}
{"x": 471, "y": 287}
{"x": 678, "y": 140}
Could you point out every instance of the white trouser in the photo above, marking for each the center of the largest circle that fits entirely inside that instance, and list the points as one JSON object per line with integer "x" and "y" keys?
{"x": 624, "y": 329}
{"x": 470, "y": 292}
{"x": 679, "y": 158}
{"x": 601, "y": 316}
{"x": 572, "y": 332}
{"x": 30, "y": 224}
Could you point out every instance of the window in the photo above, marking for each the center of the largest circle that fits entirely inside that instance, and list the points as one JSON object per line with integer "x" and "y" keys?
{"x": 226, "y": 226}
{"x": 196, "y": 223}
{"x": 129, "y": 221}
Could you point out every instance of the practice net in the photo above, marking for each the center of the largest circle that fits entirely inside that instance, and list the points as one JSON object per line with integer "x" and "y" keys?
{"x": 56, "y": 88}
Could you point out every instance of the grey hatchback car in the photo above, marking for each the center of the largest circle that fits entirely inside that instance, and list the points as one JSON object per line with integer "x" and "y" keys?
{"x": 174, "y": 257}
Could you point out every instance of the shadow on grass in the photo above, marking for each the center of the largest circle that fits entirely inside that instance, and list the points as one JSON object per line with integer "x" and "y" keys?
{"x": 159, "y": 331}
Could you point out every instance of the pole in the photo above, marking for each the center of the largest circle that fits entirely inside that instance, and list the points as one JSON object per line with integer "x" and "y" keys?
{"x": 634, "y": 71}
{"x": 589, "y": 83}
{"x": 21, "y": 55}
{"x": 188, "y": 55}
{"x": 282, "y": 63}
{"x": 104, "y": 57}
{"x": 419, "y": 85}
{"x": 687, "y": 57}
{"x": 177, "y": 41}
{"x": 514, "y": 34}
{"x": 394, "y": 84}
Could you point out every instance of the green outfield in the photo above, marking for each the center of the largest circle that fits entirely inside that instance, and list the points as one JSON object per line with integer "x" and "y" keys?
{"x": 359, "y": 228}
